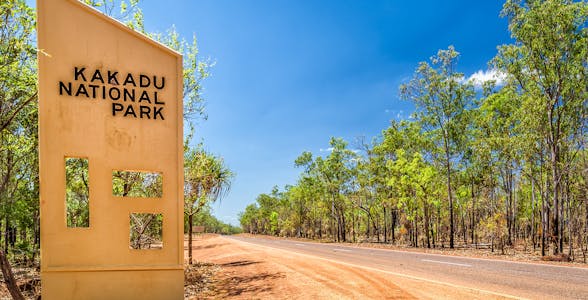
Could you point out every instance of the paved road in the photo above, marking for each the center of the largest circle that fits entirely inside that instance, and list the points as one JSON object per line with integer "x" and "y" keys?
{"x": 524, "y": 280}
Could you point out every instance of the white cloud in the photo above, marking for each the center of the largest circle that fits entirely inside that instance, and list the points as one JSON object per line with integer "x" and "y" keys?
{"x": 398, "y": 114}
{"x": 482, "y": 76}
{"x": 330, "y": 149}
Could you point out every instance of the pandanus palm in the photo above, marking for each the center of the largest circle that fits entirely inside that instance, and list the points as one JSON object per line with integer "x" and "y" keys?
{"x": 207, "y": 179}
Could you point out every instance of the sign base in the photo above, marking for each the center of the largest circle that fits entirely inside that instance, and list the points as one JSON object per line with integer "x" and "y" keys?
{"x": 163, "y": 284}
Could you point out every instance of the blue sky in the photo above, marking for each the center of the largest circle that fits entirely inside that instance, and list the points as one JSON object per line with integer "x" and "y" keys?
{"x": 291, "y": 74}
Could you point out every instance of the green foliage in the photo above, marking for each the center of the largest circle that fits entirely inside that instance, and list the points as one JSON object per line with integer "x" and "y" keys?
{"x": 127, "y": 12}
{"x": 548, "y": 66}
{"x": 206, "y": 177}
{"x": 17, "y": 63}
{"x": 442, "y": 97}
{"x": 211, "y": 223}
{"x": 249, "y": 219}
{"x": 19, "y": 183}
{"x": 137, "y": 184}
{"x": 77, "y": 192}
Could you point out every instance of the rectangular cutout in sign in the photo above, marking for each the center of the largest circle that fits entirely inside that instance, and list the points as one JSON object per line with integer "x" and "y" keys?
{"x": 137, "y": 184}
{"x": 146, "y": 231}
{"x": 77, "y": 192}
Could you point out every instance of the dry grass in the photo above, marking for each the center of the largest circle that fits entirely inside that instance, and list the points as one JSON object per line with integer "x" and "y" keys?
{"x": 28, "y": 280}
{"x": 199, "y": 279}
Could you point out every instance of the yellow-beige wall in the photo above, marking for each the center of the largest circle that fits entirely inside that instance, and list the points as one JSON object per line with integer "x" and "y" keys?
{"x": 97, "y": 262}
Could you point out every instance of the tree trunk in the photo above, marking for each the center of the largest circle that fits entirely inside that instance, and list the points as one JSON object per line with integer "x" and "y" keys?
{"x": 385, "y": 227}
{"x": 416, "y": 232}
{"x": 544, "y": 219}
{"x": 570, "y": 237}
{"x": 473, "y": 217}
{"x": 555, "y": 232}
{"x": 394, "y": 225}
{"x": 439, "y": 225}
{"x": 533, "y": 213}
{"x": 6, "y": 232}
{"x": 515, "y": 227}
{"x": 9, "y": 278}
{"x": 367, "y": 226}
{"x": 342, "y": 227}
{"x": 190, "y": 219}
{"x": 426, "y": 212}
{"x": 562, "y": 220}
{"x": 320, "y": 233}
{"x": 509, "y": 208}
{"x": 449, "y": 193}
{"x": 375, "y": 228}
{"x": 353, "y": 224}
{"x": 464, "y": 229}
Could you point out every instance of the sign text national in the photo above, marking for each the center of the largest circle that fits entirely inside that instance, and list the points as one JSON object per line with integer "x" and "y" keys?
{"x": 132, "y": 95}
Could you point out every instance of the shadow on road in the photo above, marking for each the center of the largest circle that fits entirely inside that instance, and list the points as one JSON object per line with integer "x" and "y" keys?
{"x": 204, "y": 246}
{"x": 239, "y": 263}
{"x": 254, "y": 284}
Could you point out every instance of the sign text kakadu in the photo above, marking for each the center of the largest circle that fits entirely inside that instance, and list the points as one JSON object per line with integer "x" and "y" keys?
{"x": 132, "y": 95}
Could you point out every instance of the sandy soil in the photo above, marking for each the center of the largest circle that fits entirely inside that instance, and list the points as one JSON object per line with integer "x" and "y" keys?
{"x": 255, "y": 272}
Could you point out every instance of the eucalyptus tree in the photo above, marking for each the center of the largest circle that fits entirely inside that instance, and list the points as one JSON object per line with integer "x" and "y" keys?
{"x": 479, "y": 168}
{"x": 418, "y": 185}
{"x": 378, "y": 174}
{"x": 310, "y": 181}
{"x": 249, "y": 218}
{"x": 498, "y": 115}
{"x": 304, "y": 197}
{"x": 18, "y": 122}
{"x": 366, "y": 191}
{"x": 18, "y": 76}
{"x": 335, "y": 173}
{"x": 18, "y": 127}
{"x": 269, "y": 207}
{"x": 548, "y": 61}
{"x": 405, "y": 135}
{"x": 18, "y": 155}
{"x": 441, "y": 97}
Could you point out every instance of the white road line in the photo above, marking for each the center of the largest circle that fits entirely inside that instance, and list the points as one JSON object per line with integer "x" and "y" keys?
{"x": 342, "y": 250}
{"x": 447, "y": 263}
{"x": 299, "y": 244}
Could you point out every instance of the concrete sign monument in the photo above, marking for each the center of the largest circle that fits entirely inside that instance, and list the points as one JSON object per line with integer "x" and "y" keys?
{"x": 110, "y": 100}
